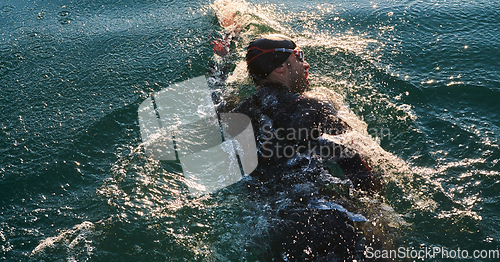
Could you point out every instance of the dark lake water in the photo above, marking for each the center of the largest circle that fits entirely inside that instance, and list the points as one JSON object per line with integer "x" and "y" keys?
{"x": 75, "y": 184}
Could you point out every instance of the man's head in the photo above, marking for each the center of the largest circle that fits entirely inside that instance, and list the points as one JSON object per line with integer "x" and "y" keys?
{"x": 275, "y": 58}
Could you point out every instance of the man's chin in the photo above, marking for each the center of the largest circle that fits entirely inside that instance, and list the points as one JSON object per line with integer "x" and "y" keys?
{"x": 301, "y": 85}
{"x": 306, "y": 81}
{"x": 304, "y": 86}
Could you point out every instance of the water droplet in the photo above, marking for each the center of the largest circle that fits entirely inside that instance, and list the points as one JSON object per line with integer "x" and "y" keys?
{"x": 64, "y": 13}
{"x": 7, "y": 8}
{"x": 65, "y": 17}
{"x": 65, "y": 21}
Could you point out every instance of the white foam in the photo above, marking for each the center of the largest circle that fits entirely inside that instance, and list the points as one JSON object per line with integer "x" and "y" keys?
{"x": 76, "y": 241}
{"x": 325, "y": 205}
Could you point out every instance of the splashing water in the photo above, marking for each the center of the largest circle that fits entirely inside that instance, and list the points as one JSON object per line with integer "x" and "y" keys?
{"x": 417, "y": 81}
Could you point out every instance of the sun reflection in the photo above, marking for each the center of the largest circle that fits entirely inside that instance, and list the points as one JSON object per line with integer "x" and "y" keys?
{"x": 459, "y": 214}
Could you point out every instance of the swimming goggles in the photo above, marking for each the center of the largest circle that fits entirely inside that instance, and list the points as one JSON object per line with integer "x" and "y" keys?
{"x": 298, "y": 53}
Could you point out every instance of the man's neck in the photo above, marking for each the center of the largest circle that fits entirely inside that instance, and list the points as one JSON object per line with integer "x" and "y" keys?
{"x": 267, "y": 83}
{"x": 279, "y": 77}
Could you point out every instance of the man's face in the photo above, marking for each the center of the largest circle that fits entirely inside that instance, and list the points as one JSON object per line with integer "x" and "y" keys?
{"x": 298, "y": 73}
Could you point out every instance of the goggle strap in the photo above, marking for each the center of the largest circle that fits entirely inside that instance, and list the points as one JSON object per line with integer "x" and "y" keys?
{"x": 281, "y": 49}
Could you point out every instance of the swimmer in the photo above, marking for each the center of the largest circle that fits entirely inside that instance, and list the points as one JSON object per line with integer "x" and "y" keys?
{"x": 288, "y": 124}
{"x": 301, "y": 177}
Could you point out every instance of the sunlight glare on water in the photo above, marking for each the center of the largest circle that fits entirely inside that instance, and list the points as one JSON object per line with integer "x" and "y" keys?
{"x": 417, "y": 81}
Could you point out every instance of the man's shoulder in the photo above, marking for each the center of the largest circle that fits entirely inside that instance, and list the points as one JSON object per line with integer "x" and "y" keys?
{"x": 265, "y": 92}
{"x": 275, "y": 98}
{"x": 243, "y": 105}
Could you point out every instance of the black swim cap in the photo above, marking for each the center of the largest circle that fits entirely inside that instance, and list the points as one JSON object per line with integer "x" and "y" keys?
{"x": 261, "y": 64}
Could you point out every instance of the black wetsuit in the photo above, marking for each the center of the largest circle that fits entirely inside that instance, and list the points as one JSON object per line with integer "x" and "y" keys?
{"x": 293, "y": 175}
{"x": 288, "y": 127}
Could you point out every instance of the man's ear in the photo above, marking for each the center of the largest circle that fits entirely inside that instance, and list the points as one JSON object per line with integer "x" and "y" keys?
{"x": 280, "y": 69}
